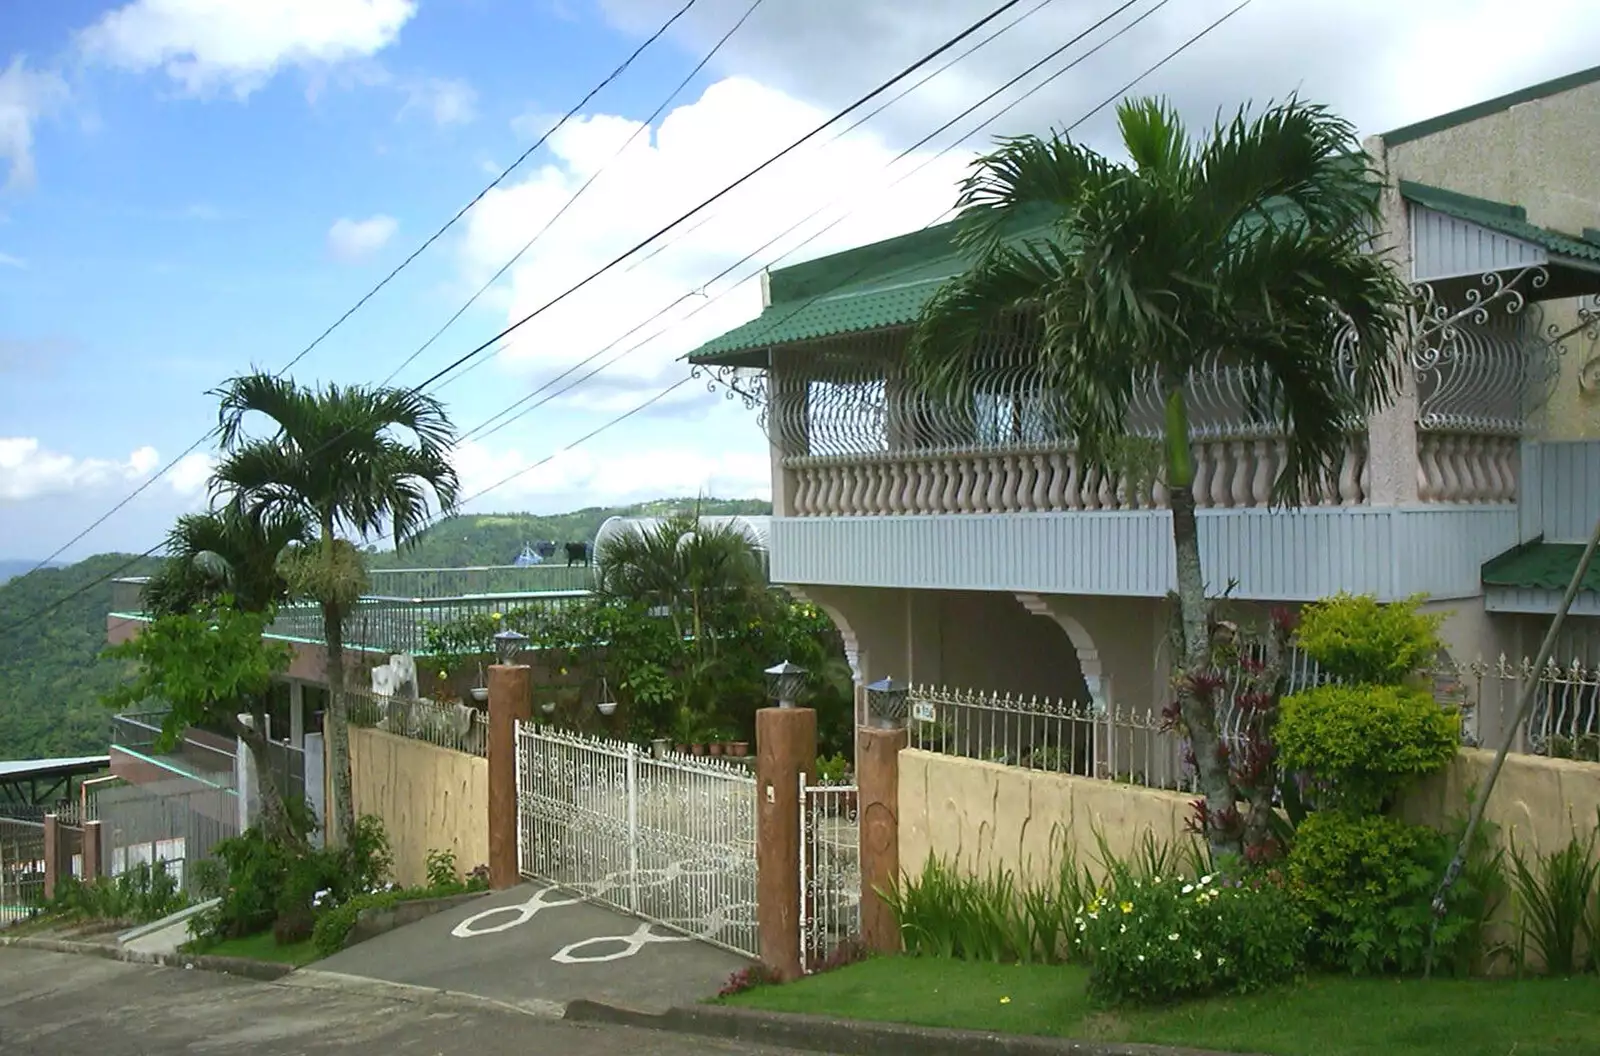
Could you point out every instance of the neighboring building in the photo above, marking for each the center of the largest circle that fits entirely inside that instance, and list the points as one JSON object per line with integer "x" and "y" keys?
{"x": 967, "y": 548}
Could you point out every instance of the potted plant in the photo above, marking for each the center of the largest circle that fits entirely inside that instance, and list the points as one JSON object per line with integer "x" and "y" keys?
{"x": 739, "y": 749}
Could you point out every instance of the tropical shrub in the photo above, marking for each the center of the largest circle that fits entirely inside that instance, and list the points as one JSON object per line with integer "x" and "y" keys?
{"x": 139, "y": 895}
{"x": 1164, "y": 938}
{"x": 1363, "y": 743}
{"x": 1557, "y": 915}
{"x": 1355, "y": 639}
{"x": 335, "y": 920}
{"x": 945, "y": 912}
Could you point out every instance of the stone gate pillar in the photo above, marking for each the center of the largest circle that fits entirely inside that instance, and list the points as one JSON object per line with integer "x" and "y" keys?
{"x": 878, "y": 782}
{"x": 510, "y": 701}
{"x": 786, "y": 747}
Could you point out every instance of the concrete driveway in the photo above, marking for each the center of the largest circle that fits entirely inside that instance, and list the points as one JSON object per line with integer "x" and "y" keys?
{"x": 535, "y": 945}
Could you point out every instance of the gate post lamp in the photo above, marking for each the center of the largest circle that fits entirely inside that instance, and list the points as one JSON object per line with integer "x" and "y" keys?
{"x": 784, "y": 683}
{"x": 507, "y": 644}
{"x": 886, "y": 703}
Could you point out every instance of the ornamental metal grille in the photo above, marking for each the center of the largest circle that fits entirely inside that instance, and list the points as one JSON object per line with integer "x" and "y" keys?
{"x": 830, "y": 870}
{"x": 669, "y": 839}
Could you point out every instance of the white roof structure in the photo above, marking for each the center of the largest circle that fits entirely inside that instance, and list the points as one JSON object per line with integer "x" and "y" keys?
{"x": 46, "y": 767}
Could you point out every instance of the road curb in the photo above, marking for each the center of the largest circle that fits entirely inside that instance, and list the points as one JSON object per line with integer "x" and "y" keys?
{"x": 339, "y": 982}
{"x": 262, "y": 971}
{"x": 845, "y": 1037}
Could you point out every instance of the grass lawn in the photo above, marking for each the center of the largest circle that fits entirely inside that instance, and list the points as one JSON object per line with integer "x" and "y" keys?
{"x": 263, "y": 947}
{"x": 1327, "y": 1016}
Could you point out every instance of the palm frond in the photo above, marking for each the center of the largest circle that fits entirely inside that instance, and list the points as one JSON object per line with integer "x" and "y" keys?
{"x": 1025, "y": 178}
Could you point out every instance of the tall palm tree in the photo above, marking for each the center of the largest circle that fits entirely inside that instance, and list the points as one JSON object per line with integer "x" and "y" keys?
{"x": 1252, "y": 243}
{"x": 232, "y": 557}
{"x": 683, "y": 563}
{"x": 347, "y": 458}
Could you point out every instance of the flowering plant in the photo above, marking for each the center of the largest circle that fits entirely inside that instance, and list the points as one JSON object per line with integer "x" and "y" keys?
{"x": 1160, "y": 938}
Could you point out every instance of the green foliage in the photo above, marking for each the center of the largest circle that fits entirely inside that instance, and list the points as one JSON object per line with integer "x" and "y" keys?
{"x": 205, "y": 665}
{"x": 51, "y": 665}
{"x": 337, "y": 919}
{"x": 1557, "y": 911}
{"x": 1355, "y": 639}
{"x": 947, "y": 913}
{"x": 1363, "y": 743}
{"x": 1157, "y": 939}
{"x": 832, "y": 770}
{"x": 139, "y": 895}
{"x": 1368, "y": 883}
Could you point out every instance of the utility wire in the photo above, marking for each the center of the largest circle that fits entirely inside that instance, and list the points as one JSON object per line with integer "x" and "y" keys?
{"x": 186, "y": 452}
{"x": 908, "y": 71}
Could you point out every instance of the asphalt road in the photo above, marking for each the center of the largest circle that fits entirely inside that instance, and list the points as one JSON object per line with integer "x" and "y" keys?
{"x": 53, "y": 1004}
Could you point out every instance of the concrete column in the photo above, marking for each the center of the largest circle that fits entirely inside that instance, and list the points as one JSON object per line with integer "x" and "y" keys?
{"x": 297, "y": 714}
{"x": 93, "y": 867}
{"x": 878, "y": 781}
{"x": 1392, "y": 431}
{"x": 317, "y": 784}
{"x": 510, "y": 701}
{"x": 52, "y": 856}
{"x": 786, "y": 747}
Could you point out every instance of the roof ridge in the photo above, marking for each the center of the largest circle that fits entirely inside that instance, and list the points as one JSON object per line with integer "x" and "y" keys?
{"x": 1466, "y": 114}
{"x": 1420, "y": 191}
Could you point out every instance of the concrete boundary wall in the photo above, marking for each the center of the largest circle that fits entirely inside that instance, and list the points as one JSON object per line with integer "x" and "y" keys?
{"x": 429, "y": 798}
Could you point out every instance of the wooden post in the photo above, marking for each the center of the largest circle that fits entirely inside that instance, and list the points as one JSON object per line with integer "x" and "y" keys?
{"x": 786, "y": 747}
{"x": 510, "y": 701}
{"x": 52, "y": 855}
{"x": 92, "y": 867}
{"x": 878, "y": 781}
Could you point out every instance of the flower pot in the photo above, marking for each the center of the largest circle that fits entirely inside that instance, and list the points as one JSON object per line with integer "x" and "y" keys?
{"x": 697, "y": 749}
{"x": 480, "y": 693}
{"x": 714, "y": 748}
{"x": 658, "y": 747}
{"x": 606, "y": 707}
{"x": 739, "y": 748}
{"x": 681, "y": 749}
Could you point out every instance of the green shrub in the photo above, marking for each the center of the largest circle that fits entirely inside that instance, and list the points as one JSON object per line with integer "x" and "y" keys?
{"x": 1368, "y": 884}
{"x": 139, "y": 895}
{"x": 1363, "y": 743}
{"x": 946, "y": 913}
{"x": 1355, "y": 639}
{"x": 441, "y": 868}
{"x": 1556, "y": 908}
{"x": 1164, "y": 938}
{"x": 335, "y": 920}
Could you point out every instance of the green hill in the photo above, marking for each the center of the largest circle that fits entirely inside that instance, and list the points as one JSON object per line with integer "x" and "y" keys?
{"x": 497, "y": 538}
{"x": 51, "y": 674}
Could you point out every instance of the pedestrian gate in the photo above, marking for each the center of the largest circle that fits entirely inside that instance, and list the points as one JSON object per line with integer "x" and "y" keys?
{"x": 830, "y": 870}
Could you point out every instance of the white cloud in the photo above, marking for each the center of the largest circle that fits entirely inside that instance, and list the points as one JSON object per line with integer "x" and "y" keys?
{"x": 444, "y": 100}
{"x": 25, "y": 96}
{"x": 8, "y": 261}
{"x": 29, "y": 470}
{"x": 351, "y": 240}
{"x": 579, "y": 478}
{"x": 663, "y": 172}
{"x": 238, "y": 45}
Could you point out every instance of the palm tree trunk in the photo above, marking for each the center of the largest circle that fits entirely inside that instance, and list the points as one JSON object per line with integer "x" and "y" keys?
{"x": 1195, "y": 704}
{"x": 338, "y": 726}
{"x": 274, "y": 818}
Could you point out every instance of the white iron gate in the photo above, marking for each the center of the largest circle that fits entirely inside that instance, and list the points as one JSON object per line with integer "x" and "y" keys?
{"x": 670, "y": 839}
{"x": 830, "y": 870}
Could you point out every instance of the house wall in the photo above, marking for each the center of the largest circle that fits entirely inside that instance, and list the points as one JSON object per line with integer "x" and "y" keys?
{"x": 1540, "y": 155}
{"x": 429, "y": 798}
{"x": 984, "y": 816}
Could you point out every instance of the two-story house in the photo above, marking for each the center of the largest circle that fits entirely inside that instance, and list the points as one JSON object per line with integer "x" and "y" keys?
{"x": 968, "y": 547}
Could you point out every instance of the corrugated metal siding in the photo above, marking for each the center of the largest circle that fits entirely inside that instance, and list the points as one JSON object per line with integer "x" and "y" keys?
{"x": 1299, "y": 555}
{"x": 1569, "y": 499}
{"x": 1444, "y": 247}
{"x": 1540, "y": 602}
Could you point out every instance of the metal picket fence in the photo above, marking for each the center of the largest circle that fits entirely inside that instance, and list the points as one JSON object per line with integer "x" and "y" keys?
{"x": 668, "y": 838}
{"x": 459, "y": 727}
{"x": 21, "y": 870}
{"x": 175, "y": 822}
{"x": 830, "y": 869}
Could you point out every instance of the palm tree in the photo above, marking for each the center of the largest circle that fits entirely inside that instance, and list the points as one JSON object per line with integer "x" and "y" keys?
{"x": 346, "y": 458}
{"x": 232, "y": 557}
{"x": 1252, "y": 244}
{"x": 684, "y": 564}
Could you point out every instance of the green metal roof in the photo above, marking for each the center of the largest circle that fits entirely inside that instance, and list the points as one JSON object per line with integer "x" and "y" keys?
{"x": 1539, "y": 566}
{"x": 1467, "y": 114}
{"x": 884, "y": 284}
{"x": 1507, "y": 219}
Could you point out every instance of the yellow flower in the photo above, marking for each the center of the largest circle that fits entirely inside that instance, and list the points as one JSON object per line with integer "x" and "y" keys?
{"x": 1127, "y": 907}
{"x": 1005, "y": 1000}
{"x": 496, "y": 617}
{"x": 444, "y": 674}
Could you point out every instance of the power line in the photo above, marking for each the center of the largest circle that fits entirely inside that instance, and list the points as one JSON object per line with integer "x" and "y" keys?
{"x": 186, "y": 452}
{"x": 908, "y": 71}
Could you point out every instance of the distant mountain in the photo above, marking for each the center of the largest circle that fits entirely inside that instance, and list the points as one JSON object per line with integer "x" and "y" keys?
{"x": 13, "y": 566}
{"x": 497, "y": 538}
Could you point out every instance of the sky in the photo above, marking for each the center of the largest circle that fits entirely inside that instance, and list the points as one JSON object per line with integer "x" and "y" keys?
{"x": 191, "y": 189}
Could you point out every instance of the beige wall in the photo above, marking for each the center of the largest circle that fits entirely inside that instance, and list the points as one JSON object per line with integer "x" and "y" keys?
{"x": 1539, "y": 155}
{"x": 984, "y": 816}
{"x": 429, "y": 798}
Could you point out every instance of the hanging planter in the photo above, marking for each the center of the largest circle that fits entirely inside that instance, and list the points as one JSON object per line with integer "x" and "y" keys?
{"x": 480, "y": 692}
{"x": 548, "y": 707}
{"x": 605, "y": 705}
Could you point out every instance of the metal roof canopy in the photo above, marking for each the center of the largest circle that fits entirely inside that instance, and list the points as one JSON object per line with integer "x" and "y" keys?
{"x": 36, "y": 782}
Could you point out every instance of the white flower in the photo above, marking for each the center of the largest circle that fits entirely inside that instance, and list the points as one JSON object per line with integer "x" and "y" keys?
{"x": 1173, "y": 937}
{"x": 1204, "y": 880}
{"x": 1188, "y": 888}
{"x": 1197, "y": 957}
{"x": 1141, "y": 957}
{"x": 1122, "y": 930}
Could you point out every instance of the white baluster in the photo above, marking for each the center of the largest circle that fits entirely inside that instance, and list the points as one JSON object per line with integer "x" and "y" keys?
{"x": 1350, "y": 474}
{"x": 964, "y": 503}
{"x": 1261, "y": 483}
{"x": 841, "y": 487}
{"x": 827, "y": 487}
{"x": 1200, "y": 488}
{"x": 1450, "y": 480}
{"x": 1011, "y": 493}
{"x": 1511, "y": 467}
{"x": 1494, "y": 484}
{"x": 1074, "y": 486}
{"x": 809, "y": 499}
{"x": 1328, "y": 484}
{"x": 994, "y": 493}
{"x": 1090, "y": 489}
{"x": 947, "y": 499}
{"x": 1478, "y": 468}
{"x": 1041, "y": 483}
{"x": 1240, "y": 494}
{"x": 899, "y": 485}
{"x": 1107, "y": 492}
{"x": 1221, "y": 479}
{"x": 1159, "y": 496}
{"x": 1429, "y": 479}
{"x": 861, "y": 489}
{"x": 1366, "y": 466}
{"x": 886, "y": 485}
{"x": 1058, "y": 481}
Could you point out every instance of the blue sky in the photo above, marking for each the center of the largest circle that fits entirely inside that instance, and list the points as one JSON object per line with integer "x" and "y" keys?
{"x": 192, "y": 187}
